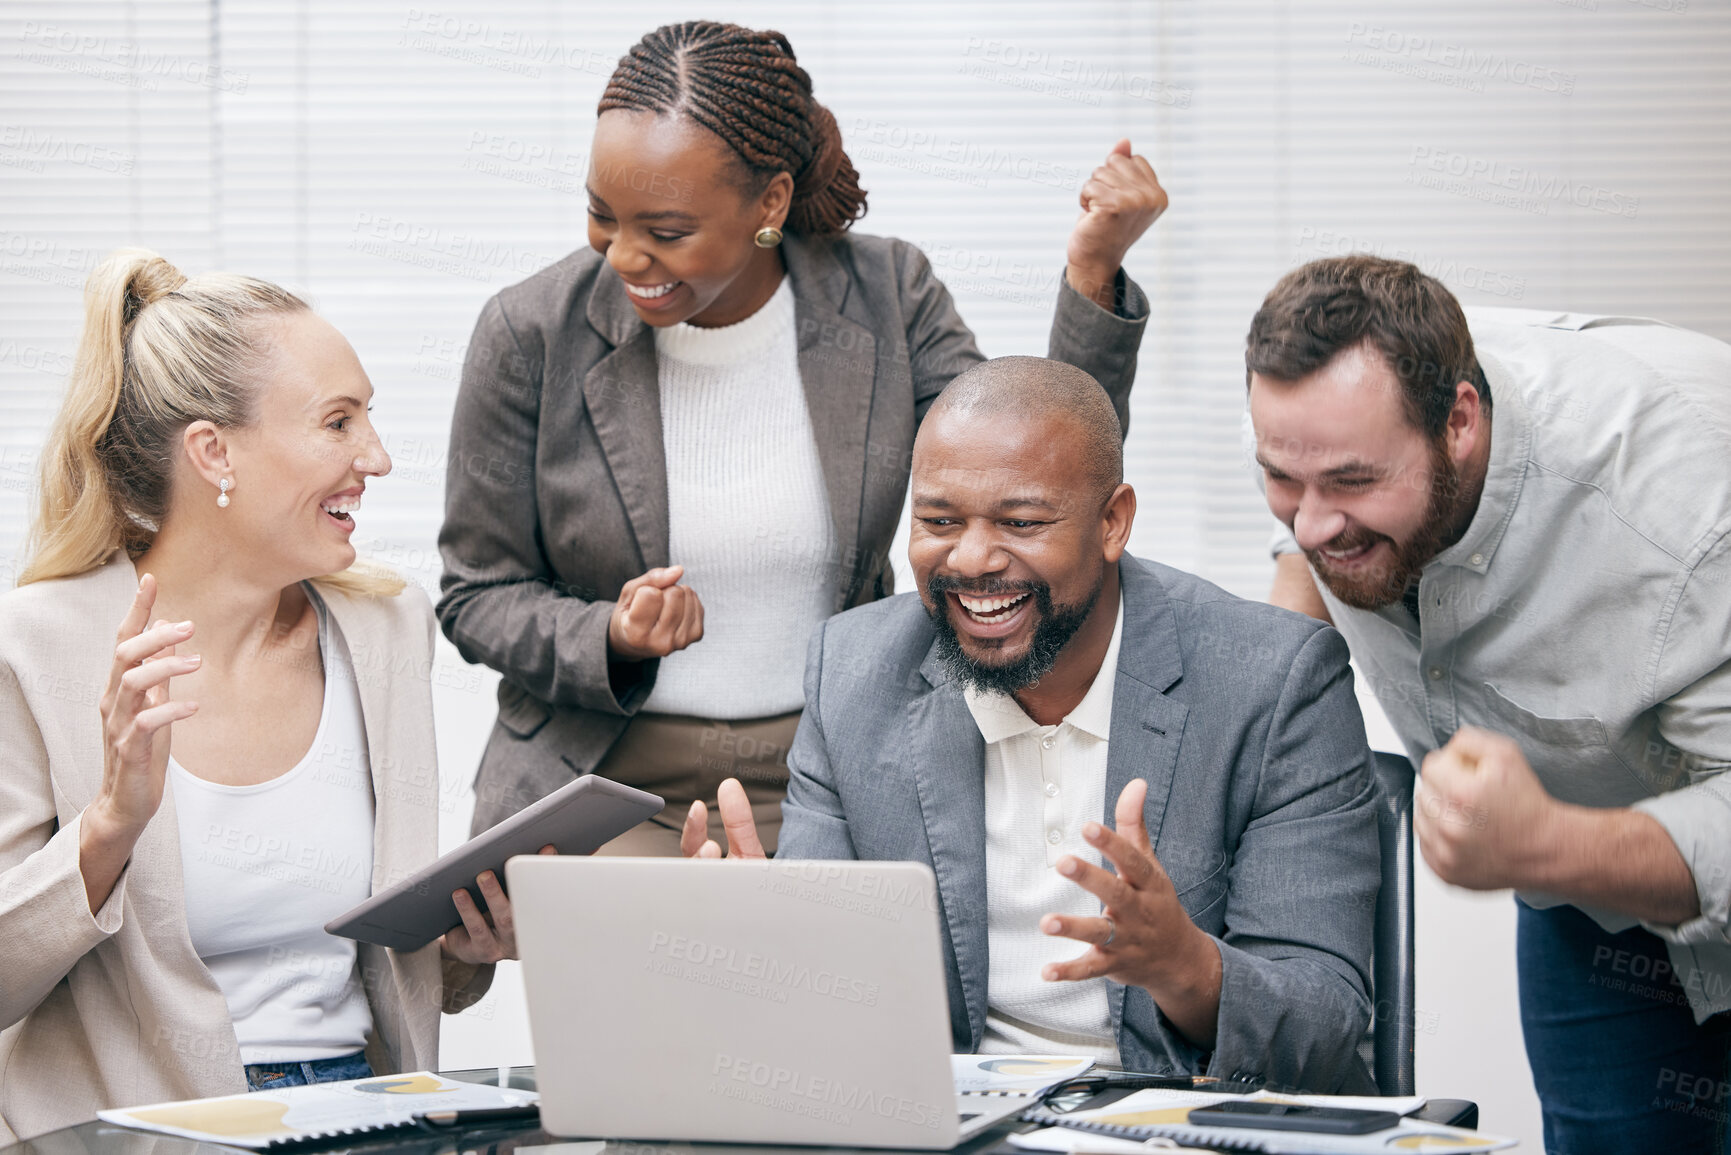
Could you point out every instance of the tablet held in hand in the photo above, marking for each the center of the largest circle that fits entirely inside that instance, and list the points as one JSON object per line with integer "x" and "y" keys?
{"x": 577, "y": 818}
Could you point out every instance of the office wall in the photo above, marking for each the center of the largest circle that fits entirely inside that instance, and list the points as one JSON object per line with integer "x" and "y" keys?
{"x": 401, "y": 162}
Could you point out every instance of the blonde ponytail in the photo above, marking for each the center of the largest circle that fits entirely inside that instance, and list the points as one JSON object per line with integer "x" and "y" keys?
{"x": 365, "y": 579}
{"x": 158, "y": 353}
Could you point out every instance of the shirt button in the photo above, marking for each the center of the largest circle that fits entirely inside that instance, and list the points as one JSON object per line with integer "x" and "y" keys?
{"x": 1054, "y": 836}
{"x": 1051, "y": 790}
{"x": 1046, "y": 743}
{"x": 1436, "y": 673}
{"x": 1477, "y": 559}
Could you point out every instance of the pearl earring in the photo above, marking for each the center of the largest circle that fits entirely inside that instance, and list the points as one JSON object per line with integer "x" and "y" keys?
{"x": 222, "y": 497}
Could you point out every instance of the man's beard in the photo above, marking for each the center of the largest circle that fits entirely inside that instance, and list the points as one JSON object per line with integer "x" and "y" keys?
{"x": 1388, "y": 584}
{"x": 1055, "y": 627}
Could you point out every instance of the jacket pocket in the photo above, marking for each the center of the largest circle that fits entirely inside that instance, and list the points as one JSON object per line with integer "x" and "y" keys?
{"x": 521, "y": 712}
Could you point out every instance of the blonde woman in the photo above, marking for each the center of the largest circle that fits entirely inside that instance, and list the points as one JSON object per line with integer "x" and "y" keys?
{"x": 185, "y": 803}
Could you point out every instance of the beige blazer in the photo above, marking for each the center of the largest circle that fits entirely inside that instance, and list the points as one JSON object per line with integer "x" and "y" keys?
{"x": 116, "y": 1009}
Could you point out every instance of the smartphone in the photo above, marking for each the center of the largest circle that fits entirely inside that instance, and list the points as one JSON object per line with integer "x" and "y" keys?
{"x": 1263, "y": 1115}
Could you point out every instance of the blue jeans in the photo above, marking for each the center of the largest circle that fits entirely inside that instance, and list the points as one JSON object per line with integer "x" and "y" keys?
{"x": 270, "y": 1076}
{"x": 1618, "y": 1060}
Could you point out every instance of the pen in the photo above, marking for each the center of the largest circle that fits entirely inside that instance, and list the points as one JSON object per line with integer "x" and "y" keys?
{"x": 1131, "y": 1082}
{"x": 445, "y": 1120}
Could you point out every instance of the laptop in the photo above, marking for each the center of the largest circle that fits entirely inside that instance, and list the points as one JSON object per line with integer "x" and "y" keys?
{"x": 743, "y": 1002}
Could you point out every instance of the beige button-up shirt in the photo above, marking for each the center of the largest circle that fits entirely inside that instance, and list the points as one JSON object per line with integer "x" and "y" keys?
{"x": 1586, "y": 612}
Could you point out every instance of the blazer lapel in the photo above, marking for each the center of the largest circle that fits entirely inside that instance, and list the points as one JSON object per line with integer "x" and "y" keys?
{"x": 837, "y": 367}
{"x": 1146, "y": 725}
{"x": 403, "y": 766}
{"x": 623, "y": 395}
{"x": 369, "y": 657}
{"x": 949, "y": 758}
{"x": 400, "y": 754}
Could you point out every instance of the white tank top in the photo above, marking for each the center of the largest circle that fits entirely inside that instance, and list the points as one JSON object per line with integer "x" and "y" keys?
{"x": 267, "y": 866}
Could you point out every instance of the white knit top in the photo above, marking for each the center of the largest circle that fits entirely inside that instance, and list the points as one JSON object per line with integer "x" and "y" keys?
{"x": 747, "y": 514}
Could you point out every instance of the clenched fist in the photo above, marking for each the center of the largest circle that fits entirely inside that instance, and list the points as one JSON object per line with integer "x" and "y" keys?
{"x": 654, "y": 616}
{"x": 1482, "y": 817}
{"x": 1120, "y": 201}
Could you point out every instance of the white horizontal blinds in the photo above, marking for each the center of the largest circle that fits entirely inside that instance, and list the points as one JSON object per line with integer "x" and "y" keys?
{"x": 400, "y": 165}
{"x": 105, "y": 124}
{"x": 974, "y": 131}
{"x": 1544, "y": 155}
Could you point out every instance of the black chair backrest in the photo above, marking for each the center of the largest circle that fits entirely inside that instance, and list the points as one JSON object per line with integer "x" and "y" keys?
{"x": 1393, "y": 1022}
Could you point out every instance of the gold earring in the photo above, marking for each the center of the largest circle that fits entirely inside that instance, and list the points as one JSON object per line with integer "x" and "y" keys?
{"x": 767, "y": 237}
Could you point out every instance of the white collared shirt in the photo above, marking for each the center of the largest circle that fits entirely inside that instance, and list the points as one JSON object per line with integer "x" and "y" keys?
{"x": 1042, "y": 784}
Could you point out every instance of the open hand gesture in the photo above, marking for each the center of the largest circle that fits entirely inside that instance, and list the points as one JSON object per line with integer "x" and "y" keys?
{"x": 137, "y": 715}
{"x": 735, "y": 807}
{"x": 1142, "y": 937}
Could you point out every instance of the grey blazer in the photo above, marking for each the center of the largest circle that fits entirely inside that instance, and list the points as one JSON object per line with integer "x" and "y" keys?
{"x": 1242, "y": 719}
{"x": 556, "y": 491}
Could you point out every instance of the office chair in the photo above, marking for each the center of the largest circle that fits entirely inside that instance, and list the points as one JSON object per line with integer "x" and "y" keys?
{"x": 1393, "y": 1020}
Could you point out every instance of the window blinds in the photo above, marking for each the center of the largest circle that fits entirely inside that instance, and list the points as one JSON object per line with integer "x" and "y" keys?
{"x": 400, "y": 163}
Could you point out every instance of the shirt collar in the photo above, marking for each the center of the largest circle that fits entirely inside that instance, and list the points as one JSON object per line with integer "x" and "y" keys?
{"x": 1000, "y": 717}
{"x": 1505, "y": 473}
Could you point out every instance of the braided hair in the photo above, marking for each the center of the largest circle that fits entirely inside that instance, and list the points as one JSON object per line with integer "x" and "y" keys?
{"x": 746, "y": 88}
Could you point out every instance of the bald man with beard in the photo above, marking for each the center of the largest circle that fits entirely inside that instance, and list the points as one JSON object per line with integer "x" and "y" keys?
{"x": 1147, "y": 803}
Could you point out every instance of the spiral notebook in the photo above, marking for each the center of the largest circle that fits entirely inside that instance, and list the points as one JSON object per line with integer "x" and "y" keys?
{"x": 263, "y": 1120}
{"x": 1163, "y": 1114}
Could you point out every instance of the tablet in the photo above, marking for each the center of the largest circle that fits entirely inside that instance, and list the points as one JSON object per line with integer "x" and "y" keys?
{"x": 577, "y": 818}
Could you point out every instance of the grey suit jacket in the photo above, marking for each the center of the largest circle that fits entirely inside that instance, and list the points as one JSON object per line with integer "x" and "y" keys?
{"x": 1242, "y": 719}
{"x": 556, "y": 491}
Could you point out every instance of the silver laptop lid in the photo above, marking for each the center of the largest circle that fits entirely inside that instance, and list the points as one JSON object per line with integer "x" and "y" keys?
{"x": 754, "y": 1002}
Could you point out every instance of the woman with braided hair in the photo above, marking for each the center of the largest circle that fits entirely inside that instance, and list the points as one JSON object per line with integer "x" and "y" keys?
{"x": 676, "y": 453}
